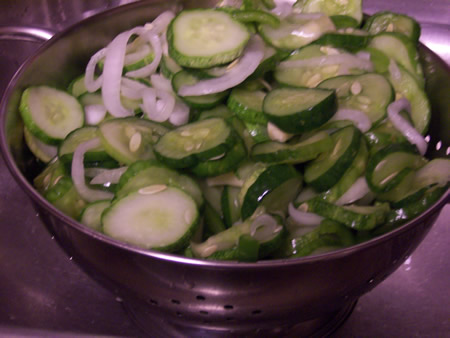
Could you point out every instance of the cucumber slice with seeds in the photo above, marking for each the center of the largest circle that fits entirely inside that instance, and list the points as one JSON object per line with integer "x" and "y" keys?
{"x": 393, "y": 22}
{"x": 168, "y": 66}
{"x": 50, "y": 114}
{"x": 150, "y": 172}
{"x": 352, "y": 8}
{"x": 77, "y": 86}
{"x": 198, "y": 141}
{"x": 326, "y": 170}
{"x": 370, "y": 93}
{"x": 42, "y": 151}
{"x": 156, "y": 217}
{"x": 91, "y": 215}
{"x": 202, "y": 38}
{"x": 296, "y": 110}
{"x": 130, "y": 139}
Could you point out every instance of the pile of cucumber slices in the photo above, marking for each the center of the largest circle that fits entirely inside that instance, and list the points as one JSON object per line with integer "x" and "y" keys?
{"x": 263, "y": 130}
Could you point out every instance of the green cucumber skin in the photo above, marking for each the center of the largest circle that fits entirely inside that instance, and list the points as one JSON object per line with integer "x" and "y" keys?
{"x": 306, "y": 120}
{"x": 344, "y": 21}
{"x": 351, "y": 42}
{"x": 349, "y": 218}
{"x": 198, "y": 61}
{"x": 328, "y": 179}
{"x": 244, "y": 112}
{"x": 267, "y": 181}
{"x": 371, "y": 23}
{"x": 378, "y": 157}
{"x": 223, "y": 165}
{"x": 65, "y": 197}
{"x": 291, "y": 153}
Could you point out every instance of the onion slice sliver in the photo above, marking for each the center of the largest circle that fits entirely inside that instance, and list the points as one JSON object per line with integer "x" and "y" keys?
{"x": 304, "y": 218}
{"x": 264, "y": 227}
{"x": 358, "y": 190}
{"x": 180, "y": 114}
{"x": 108, "y": 176}
{"x": 359, "y": 118}
{"x": 247, "y": 64}
{"x": 85, "y": 192}
{"x": 157, "y": 51}
{"x": 160, "y": 82}
{"x": 112, "y": 73}
{"x": 403, "y": 126}
{"x": 94, "y": 114}
{"x": 91, "y": 83}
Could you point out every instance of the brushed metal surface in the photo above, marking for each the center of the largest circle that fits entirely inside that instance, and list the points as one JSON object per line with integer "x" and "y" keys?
{"x": 40, "y": 288}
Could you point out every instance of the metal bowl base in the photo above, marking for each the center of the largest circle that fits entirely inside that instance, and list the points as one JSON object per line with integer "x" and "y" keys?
{"x": 158, "y": 327}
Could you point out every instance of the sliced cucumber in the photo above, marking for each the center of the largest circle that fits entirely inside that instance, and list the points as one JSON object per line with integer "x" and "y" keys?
{"x": 355, "y": 217}
{"x": 298, "y": 152}
{"x": 130, "y": 139}
{"x": 198, "y": 141}
{"x": 296, "y": 110}
{"x": 351, "y": 8}
{"x": 248, "y": 105}
{"x": 42, "y": 151}
{"x": 163, "y": 218}
{"x": 168, "y": 66}
{"x": 203, "y": 102}
{"x": 393, "y": 22}
{"x": 77, "y": 86}
{"x": 75, "y": 138}
{"x": 258, "y": 132}
{"x": 387, "y": 168}
{"x": 212, "y": 221}
{"x": 326, "y": 170}
{"x": 344, "y": 21}
{"x": 219, "y": 111}
{"x": 398, "y": 47}
{"x": 355, "y": 171}
{"x": 63, "y": 195}
{"x": 272, "y": 187}
{"x": 91, "y": 215}
{"x": 203, "y": 38}
{"x": 370, "y": 93}
{"x": 295, "y": 31}
{"x": 141, "y": 174}
{"x": 351, "y": 40}
{"x": 222, "y": 164}
{"x": 407, "y": 86}
{"x": 230, "y": 205}
{"x": 52, "y": 173}
{"x": 256, "y": 16}
{"x": 50, "y": 114}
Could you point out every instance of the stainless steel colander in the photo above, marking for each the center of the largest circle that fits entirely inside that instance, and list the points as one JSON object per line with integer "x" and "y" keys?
{"x": 170, "y": 295}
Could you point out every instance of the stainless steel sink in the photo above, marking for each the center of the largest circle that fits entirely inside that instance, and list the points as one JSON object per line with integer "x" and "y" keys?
{"x": 43, "y": 293}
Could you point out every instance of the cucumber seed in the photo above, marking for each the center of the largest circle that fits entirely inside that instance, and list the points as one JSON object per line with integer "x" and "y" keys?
{"x": 135, "y": 142}
{"x": 356, "y": 88}
{"x": 364, "y": 99}
{"x": 152, "y": 189}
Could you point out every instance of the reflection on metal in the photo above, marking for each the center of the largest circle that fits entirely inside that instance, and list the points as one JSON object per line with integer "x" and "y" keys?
{"x": 25, "y": 33}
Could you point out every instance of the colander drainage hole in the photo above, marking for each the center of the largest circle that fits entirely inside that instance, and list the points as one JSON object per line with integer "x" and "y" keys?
{"x": 176, "y": 301}
{"x": 256, "y": 312}
{"x": 203, "y": 312}
{"x": 228, "y": 307}
{"x": 200, "y": 297}
{"x": 179, "y": 314}
{"x": 153, "y": 302}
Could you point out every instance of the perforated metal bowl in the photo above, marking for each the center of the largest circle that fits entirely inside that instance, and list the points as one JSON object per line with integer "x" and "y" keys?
{"x": 170, "y": 295}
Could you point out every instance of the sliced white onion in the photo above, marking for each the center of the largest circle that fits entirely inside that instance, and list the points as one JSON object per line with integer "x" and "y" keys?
{"x": 160, "y": 82}
{"x": 148, "y": 101}
{"x": 359, "y": 118}
{"x": 403, "y": 126}
{"x": 88, "y": 194}
{"x": 304, "y": 218}
{"x": 141, "y": 52}
{"x": 358, "y": 190}
{"x": 264, "y": 227}
{"x": 149, "y": 69}
{"x": 164, "y": 106}
{"x": 180, "y": 114}
{"x": 394, "y": 70}
{"x": 248, "y": 62}
{"x": 345, "y": 60}
{"x": 363, "y": 55}
{"x": 225, "y": 179}
{"x": 132, "y": 89}
{"x": 282, "y": 8}
{"x": 109, "y": 176}
{"x": 159, "y": 25}
{"x": 436, "y": 171}
{"x": 91, "y": 83}
{"x": 94, "y": 114}
{"x": 306, "y": 194}
{"x": 112, "y": 73}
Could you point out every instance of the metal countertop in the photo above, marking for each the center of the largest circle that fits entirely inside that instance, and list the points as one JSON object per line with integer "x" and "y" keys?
{"x": 43, "y": 293}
